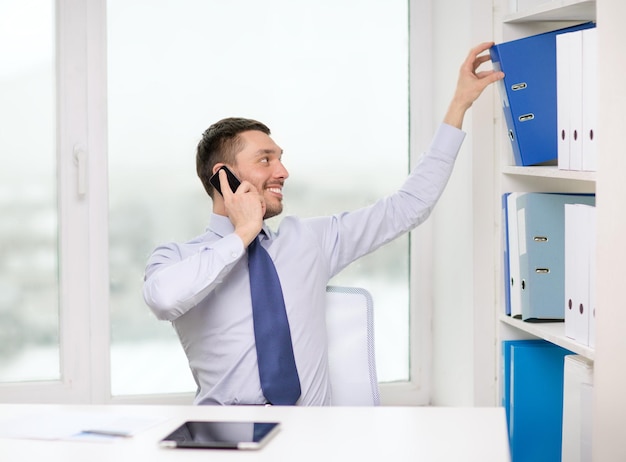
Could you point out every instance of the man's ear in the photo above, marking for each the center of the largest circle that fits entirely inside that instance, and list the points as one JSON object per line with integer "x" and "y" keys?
{"x": 216, "y": 167}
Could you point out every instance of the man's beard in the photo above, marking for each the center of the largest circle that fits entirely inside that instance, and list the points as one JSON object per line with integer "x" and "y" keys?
{"x": 273, "y": 211}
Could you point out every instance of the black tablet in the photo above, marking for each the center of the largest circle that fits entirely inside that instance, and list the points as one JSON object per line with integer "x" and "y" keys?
{"x": 221, "y": 435}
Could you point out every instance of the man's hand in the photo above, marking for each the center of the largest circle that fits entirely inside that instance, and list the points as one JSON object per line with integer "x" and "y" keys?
{"x": 245, "y": 208}
{"x": 470, "y": 84}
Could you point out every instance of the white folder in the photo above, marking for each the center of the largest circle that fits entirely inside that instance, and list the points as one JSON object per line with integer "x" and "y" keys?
{"x": 586, "y": 439}
{"x": 514, "y": 254}
{"x": 563, "y": 100}
{"x": 589, "y": 99}
{"x": 576, "y": 273}
{"x": 576, "y": 100}
{"x": 591, "y": 223}
{"x": 577, "y": 383}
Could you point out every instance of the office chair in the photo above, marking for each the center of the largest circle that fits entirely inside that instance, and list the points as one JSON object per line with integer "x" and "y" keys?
{"x": 352, "y": 365}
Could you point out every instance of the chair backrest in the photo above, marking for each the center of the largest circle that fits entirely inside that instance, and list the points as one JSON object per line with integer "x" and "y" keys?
{"x": 352, "y": 365}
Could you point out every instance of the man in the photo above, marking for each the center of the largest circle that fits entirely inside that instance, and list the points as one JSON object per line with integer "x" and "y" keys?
{"x": 203, "y": 286}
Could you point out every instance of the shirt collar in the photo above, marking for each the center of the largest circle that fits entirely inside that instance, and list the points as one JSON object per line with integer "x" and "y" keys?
{"x": 222, "y": 226}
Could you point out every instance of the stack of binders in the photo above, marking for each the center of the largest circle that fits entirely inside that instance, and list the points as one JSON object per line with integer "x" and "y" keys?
{"x": 529, "y": 94}
{"x": 534, "y": 253}
{"x": 576, "y": 72}
{"x": 580, "y": 280}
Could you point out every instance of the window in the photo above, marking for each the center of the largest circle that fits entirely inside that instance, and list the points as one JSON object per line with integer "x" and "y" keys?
{"x": 29, "y": 279}
{"x": 103, "y": 105}
{"x": 336, "y": 99}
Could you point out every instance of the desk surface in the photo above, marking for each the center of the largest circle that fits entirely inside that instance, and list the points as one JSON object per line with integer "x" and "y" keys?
{"x": 320, "y": 434}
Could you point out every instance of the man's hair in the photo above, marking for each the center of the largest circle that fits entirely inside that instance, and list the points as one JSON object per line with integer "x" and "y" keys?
{"x": 220, "y": 143}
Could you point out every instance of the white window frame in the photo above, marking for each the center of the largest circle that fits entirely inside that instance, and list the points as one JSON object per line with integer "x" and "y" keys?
{"x": 83, "y": 217}
{"x": 81, "y": 158}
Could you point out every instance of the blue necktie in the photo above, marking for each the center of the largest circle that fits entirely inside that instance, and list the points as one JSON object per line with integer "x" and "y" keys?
{"x": 277, "y": 366}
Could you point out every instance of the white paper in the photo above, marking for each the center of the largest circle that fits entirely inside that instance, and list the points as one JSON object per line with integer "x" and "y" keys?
{"x": 80, "y": 426}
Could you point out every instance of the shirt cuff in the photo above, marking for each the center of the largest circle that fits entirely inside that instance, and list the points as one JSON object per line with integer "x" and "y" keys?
{"x": 230, "y": 248}
{"x": 447, "y": 141}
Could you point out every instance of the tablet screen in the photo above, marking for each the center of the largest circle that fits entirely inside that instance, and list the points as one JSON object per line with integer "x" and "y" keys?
{"x": 221, "y": 435}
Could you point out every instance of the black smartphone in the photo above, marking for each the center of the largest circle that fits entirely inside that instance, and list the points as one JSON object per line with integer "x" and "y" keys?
{"x": 233, "y": 181}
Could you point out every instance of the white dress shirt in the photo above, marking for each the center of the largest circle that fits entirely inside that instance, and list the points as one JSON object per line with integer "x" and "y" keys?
{"x": 202, "y": 286}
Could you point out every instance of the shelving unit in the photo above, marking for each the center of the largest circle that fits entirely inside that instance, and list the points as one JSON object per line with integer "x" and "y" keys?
{"x": 557, "y": 10}
{"x": 546, "y": 16}
{"x": 553, "y": 332}
{"x": 550, "y": 173}
{"x": 609, "y": 400}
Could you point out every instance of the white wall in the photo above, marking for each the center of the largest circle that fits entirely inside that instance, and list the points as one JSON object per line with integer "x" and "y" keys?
{"x": 458, "y": 25}
{"x": 609, "y": 372}
{"x": 452, "y": 221}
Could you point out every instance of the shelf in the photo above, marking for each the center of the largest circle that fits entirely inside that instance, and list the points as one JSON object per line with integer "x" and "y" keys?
{"x": 556, "y": 10}
{"x": 550, "y": 172}
{"x": 553, "y": 332}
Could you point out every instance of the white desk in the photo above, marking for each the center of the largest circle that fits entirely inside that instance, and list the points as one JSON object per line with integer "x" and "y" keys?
{"x": 308, "y": 434}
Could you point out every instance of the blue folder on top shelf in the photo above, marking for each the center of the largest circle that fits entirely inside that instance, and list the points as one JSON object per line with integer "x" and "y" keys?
{"x": 528, "y": 93}
{"x": 541, "y": 228}
{"x": 533, "y": 399}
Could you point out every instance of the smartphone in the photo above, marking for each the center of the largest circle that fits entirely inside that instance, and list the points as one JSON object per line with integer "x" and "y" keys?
{"x": 233, "y": 181}
{"x": 221, "y": 435}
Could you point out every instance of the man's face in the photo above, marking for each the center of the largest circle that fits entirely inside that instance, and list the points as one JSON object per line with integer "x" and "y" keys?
{"x": 259, "y": 162}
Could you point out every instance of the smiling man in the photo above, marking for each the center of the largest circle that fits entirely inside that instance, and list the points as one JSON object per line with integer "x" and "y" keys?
{"x": 250, "y": 152}
{"x": 203, "y": 286}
